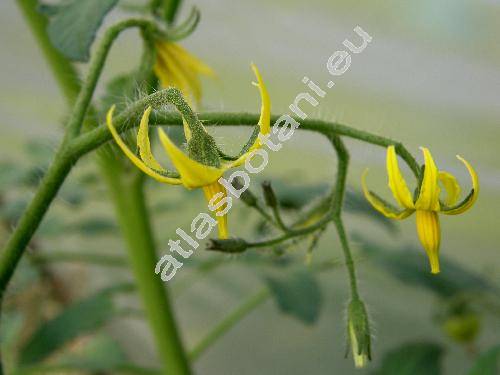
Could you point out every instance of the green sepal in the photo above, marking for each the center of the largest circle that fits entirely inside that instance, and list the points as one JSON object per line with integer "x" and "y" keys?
{"x": 469, "y": 196}
{"x": 201, "y": 147}
{"x": 358, "y": 318}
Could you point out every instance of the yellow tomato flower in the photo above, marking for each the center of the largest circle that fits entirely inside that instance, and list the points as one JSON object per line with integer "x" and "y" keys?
{"x": 176, "y": 67}
{"x": 192, "y": 173}
{"x": 426, "y": 201}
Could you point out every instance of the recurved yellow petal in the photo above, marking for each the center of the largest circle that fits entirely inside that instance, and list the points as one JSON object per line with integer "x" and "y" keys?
{"x": 471, "y": 199}
{"x": 210, "y": 191}
{"x": 144, "y": 144}
{"x": 429, "y": 233}
{"x": 429, "y": 190}
{"x": 138, "y": 162}
{"x": 451, "y": 186}
{"x": 397, "y": 183}
{"x": 382, "y": 206}
{"x": 264, "y": 120}
{"x": 193, "y": 174}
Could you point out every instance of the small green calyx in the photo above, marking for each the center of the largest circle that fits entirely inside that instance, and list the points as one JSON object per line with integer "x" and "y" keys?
{"x": 230, "y": 245}
{"x": 202, "y": 148}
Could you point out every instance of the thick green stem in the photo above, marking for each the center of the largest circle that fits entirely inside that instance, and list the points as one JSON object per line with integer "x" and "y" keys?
{"x": 129, "y": 202}
{"x": 132, "y": 211}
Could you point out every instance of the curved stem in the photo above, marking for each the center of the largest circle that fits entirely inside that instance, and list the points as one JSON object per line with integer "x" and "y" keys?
{"x": 96, "y": 137}
{"x": 95, "y": 69}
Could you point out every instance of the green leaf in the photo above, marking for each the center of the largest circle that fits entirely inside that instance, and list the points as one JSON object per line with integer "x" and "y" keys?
{"x": 73, "y": 25}
{"x": 296, "y": 292}
{"x": 410, "y": 265}
{"x": 80, "y": 318}
{"x": 412, "y": 359}
{"x": 487, "y": 362}
{"x": 99, "y": 354}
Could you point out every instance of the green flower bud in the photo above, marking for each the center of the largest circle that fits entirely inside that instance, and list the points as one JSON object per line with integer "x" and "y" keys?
{"x": 246, "y": 196}
{"x": 269, "y": 195}
{"x": 358, "y": 333}
{"x": 230, "y": 245}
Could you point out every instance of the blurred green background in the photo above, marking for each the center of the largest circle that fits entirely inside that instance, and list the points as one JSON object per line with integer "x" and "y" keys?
{"x": 430, "y": 77}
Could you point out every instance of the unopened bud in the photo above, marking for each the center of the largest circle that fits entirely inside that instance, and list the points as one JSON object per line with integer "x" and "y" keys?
{"x": 230, "y": 245}
{"x": 246, "y": 196}
{"x": 269, "y": 196}
{"x": 358, "y": 333}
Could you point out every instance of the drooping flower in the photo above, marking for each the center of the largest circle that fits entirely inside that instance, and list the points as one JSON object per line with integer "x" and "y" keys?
{"x": 203, "y": 165}
{"x": 176, "y": 67}
{"x": 425, "y": 202}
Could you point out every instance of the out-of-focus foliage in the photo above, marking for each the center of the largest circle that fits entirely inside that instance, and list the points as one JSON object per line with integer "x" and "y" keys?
{"x": 80, "y": 318}
{"x": 411, "y": 359}
{"x": 407, "y": 265}
{"x": 296, "y": 292}
{"x": 487, "y": 362}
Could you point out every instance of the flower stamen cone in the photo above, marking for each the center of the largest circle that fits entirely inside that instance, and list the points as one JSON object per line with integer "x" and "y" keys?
{"x": 429, "y": 233}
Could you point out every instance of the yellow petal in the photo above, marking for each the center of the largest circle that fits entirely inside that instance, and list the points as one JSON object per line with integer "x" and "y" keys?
{"x": 190, "y": 60}
{"x": 381, "y": 206}
{"x": 193, "y": 174}
{"x": 429, "y": 190}
{"x": 138, "y": 162}
{"x": 144, "y": 144}
{"x": 451, "y": 186}
{"x": 210, "y": 191}
{"x": 397, "y": 183}
{"x": 471, "y": 199}
{"x": 177, "y": 75}
{"x": 429, "y": 233}
{"x": 264, "y": 120}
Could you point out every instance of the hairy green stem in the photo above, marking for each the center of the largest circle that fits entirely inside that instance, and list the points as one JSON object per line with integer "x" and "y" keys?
{"x": 95, "y": 69}
{"x": 128, "y": 196}
{"x": 337, "y": 205}
{"x": 93, "y": 139}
